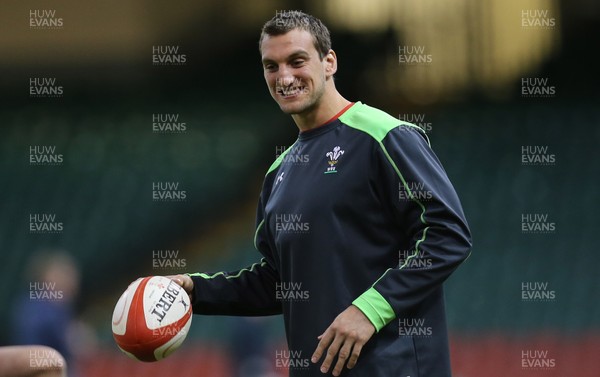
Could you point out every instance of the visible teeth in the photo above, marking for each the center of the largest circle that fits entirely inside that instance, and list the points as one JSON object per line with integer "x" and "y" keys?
{"x": 290, "y": 91}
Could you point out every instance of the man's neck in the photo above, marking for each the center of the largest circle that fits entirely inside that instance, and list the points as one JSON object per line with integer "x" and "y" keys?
{"x": 325, "y": 110}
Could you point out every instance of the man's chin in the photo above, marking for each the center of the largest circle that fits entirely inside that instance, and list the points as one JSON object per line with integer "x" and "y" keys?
{"x": 292, "y": 108}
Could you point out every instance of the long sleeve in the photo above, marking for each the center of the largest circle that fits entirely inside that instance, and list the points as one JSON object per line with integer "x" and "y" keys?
{"x": 248, "y": 292}
{"x": 426, "y": 207}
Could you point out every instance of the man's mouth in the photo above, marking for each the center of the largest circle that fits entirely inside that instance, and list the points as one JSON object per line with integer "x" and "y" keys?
{"x": 291, "y": 91}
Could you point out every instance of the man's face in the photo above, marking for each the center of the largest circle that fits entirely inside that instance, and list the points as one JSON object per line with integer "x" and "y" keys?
{"x": 293, "y": 71}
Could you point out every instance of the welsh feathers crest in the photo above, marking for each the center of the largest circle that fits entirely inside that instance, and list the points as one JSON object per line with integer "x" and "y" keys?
{"x": 333, "y": 156}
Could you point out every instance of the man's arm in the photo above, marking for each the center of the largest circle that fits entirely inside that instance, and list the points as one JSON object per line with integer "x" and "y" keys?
{"x": 247, "y": 292}
{"x": 426, "y": 206}
{"x": 426, "y": 203}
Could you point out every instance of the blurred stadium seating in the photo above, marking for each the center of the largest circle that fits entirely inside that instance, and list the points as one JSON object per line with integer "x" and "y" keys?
{"x": 470, "y": 94}
{"x": 102, "y": 194}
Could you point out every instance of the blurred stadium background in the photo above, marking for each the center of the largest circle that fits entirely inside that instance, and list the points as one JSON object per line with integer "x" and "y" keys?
{"x": 475, "y": 61}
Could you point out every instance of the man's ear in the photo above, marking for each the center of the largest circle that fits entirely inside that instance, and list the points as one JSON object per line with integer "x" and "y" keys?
{"x": 330, "y": 61}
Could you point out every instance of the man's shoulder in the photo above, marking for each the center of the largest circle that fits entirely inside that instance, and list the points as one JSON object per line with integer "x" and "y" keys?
{"x": 279, "y": 159}
{"x": 375, "y": 122}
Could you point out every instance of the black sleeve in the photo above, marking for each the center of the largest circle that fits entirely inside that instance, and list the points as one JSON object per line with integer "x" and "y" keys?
{"x": 248, "y": 292}
{"x": 428, "y": 210}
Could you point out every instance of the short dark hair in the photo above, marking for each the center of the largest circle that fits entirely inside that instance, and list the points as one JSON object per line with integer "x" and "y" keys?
{"x": 288, "y": 20}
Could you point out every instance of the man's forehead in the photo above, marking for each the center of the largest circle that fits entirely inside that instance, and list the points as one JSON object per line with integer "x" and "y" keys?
{"x": 294, "y": 42}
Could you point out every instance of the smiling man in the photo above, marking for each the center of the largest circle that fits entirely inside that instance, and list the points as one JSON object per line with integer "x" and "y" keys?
{"x": 357, "y": 239}
{"x": 298, "y": 66}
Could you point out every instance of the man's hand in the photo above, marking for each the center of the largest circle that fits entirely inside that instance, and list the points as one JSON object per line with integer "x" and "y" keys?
{"x": 345, "y": 338}
{"x": 185, "y": 282}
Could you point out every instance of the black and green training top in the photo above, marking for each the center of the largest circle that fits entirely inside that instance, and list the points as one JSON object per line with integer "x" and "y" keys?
{"x": 358, "y": 211}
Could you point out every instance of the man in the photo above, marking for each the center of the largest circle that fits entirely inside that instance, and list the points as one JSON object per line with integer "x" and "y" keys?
{"x": 48, "y": 320}
{"x": 340, "y": 230}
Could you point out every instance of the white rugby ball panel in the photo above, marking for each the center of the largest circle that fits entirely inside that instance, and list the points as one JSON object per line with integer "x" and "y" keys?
{"x": 165, "y": 302}
{"x": 121, "y": 312}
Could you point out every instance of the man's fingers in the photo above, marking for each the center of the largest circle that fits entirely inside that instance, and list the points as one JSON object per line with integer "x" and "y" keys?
{"x": 323, "y": 343}
{"x": 343, "y": 356}
{"x": 184, "y": 281}
{"x": 355, "y": 354}
{"x": 331, "y": 353}
{"x": 344, "y": 340}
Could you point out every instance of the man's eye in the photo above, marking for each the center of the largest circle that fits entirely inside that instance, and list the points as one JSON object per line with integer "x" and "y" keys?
{"x": 297, "y": 62}
{"x": 270, "y": 67}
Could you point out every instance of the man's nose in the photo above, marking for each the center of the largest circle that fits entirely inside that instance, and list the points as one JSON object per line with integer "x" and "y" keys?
{"x": 285, "y": 79}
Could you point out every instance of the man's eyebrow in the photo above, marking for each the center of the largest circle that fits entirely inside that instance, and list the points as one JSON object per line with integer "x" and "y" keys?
{"x": 292, "y": 56}
{"x": 298, "y": 54}
{"x": 266, "y": 60}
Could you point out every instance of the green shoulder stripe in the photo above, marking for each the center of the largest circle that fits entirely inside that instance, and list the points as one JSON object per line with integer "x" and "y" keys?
{"x": 279, "y": 159}
{"x": 378, "y": 124}
{"x": 373, "y": 121}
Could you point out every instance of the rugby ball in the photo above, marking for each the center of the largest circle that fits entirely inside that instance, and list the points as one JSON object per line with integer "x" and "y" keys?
{"x": 151, "y": 318}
